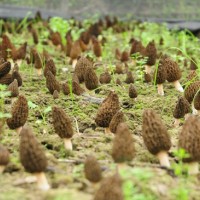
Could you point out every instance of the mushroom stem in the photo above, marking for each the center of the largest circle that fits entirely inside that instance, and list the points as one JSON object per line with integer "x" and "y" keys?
{"x": 68, "y": 143}
{"x": 74, "y": 63}
{"x": 99, "y": 59}
{"x": 42, "y": 181}
{"x": 121, "y": 166}
{"x": 107, "y": 130}
{"x": 194, "y": 111}
{"x": 160, "y": 89}
{"x": 147, "y": 69}
{"x": 163, "y": 158}
{"x": 193, "y": 168}
{"x": 186, "y": 116}
{"x": 2, "y": 167}
{"x": 178, "y": 86}
{"x": 18, "y": 130}
{"x": 19, "y": 62}
{"x": 176, "y": 122}
{"x": 39, "y": 71}
{"x": 13, "y": 100}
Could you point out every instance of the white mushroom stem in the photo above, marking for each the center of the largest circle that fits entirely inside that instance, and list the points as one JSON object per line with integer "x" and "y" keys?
{"x": 2, "y": 167}
{"x": 19, "y": 62}
{"x": 74, "y": 63}
{"x": 163, "y": 158}
{"x": 18, "y": 130}
{"x": 42, "y": 181}
{"x": 193, "y": 168}
{"x": 194, "y": 111}
{"x": 99, "y": 59}
{"x": 186, "y": 116}
{"x": 107, "y": 130}
{"x": 121, "y": 166}
{"x": 147, "y": 69}
{"x": 39, "y": 71}
{"x": 68, "y": 144}
{"x": 160, "y": 89}
{"x": 178, "y": 86}
{"x": 176, "y": 122}
{"x": 13, "y": 100}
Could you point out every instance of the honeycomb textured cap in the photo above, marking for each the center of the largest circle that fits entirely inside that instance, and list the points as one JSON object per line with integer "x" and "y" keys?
{"x": 123, "y": 145}
{"x": 129, "y": 77}
{"x": 19, "y": 113}
{"x": 151, "y": 53}
{"x": 132, "y": 92}
{"x": 62, "y": 123}
{"x": 76, "y": 88}
{"x": 16, "y": 75}
{"x": 6, "y": 79}
{"x": 154, "y": 133}
{"x": 189, "y": 138}
{"x": 160, "y": 74}
{"x": 5, "y": 68}
{"x": 91, "y": 79}
{"x": 191, "y": 90}
{"x": 110, "y": 189}
{"x": 107, "y": 110}
{"x": 51, "y": 82}
{"x": 124, "y": 56}
{"x": 92, "y": 169}
{"x": 50, "y": 66}
{"x": 13, "y": 88}
{"x": 116, "y": 120}
{"x": 197, "y": 100}
{"x": 32, "y": 155}
{"x": 4, "y": 155}
{"x": 105, "y": 78}
{"x": 38, "y": 60}
{"x": 65, "y": 88}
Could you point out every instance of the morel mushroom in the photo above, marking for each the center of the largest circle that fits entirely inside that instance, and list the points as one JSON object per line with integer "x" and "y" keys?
{"x": 55, "y": 94}
{"x": 4, "y": 158}
{"x": 75, "y": 53}
{"x": 19, "y": 114}
{"x": 38, "y": 63}
{"x": 197, "y": 102}
{"x": 116, "y": 120}
{"x": 32, "y": 157}
{"x": 16, "y": 75}
{"x": 129, "y": 78}
{"x": 6, "y": 79}
{"x": 92, "y": 170}
{"x": 13, "y": 88}
{"x": 62, "y": 126}
{"x": 51, "y": 83}
{"x": 147, "y": 78}
{"x": 107, "y": 110}
{"x": 97, "y": 48}
{"x": 91, "y": 79}
{"x": 132, "y": 92}
{"x": 110, "y": 189}
{"x": 189, "y": 139}
{"x": 124, "y": 56}
{"x": 155, "y": 136}
{"x": 123, "y": 149}
{"x": 105, "y": 77}
{"x": 50, "y": 66}
{"x": 65, "y": 88}
{"x": 5, "y": 68}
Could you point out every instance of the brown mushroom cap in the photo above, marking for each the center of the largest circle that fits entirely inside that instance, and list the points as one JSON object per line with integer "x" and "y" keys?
{"x": 154, "y": 133}
{"x": 91, "y": 79}
{"x": 32, "y": 155}
{"x": 197, "y": 100}
{"x": 13, "y": 88}
{"x": 38, "y": 60}
{"x": 55, "y": 94}
{"x": 129, "y": 78}
{"x": 19, "y": 113}
{"x": 50, "y": 66}
{"x": 118, "y": 82}
{"x": 160, "y": 74}
{"x": 105, "y": 78}
{"x": 6, "y": 79}
{"x": 189, "y": 138}
{"x": 65, "y": 88}
{"x": 123, "y": 144}
{"x": 132, "y": 91}
{"x": 96, "y": 47}
{"x": 124, "y": 56}
{"x": 151, "y": 53}
{"x": 110, "y": 189}
{"x": 147, "y": 78}
{"x": 76, "y": 88}
{"x": 4, "y": 156}
{"x": 4, "y": 68}
{"x": 118, "y": 69}
{"x": 191, "y": 90}
{"x": 107, "y": 110}
{"x": 16, "y": 75}
{"x": 116, "y": 120}
{"x": 75, "y": 50}
{"x": 62, "y": 123}
{"x": 92, "y": 169}
{"x": 51, "y": 82}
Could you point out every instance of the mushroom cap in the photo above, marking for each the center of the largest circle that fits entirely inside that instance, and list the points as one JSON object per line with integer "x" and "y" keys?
{"x": 197, "y": 100}
{"x": 191, "y": 90}
{"x": 118, "y": 82}
{"x": 151, "y": 53}
{"x": 132, "y": 91}
{"x": 154, "y": 133}
{"x": 19, "y": 113}
{"x": 50, "y": 66}
{"x": 4, "y": 155}
{"x": 16, "y": 75}
{"x": 189, "y": 138}
{"x": 51, "y": 82}
{"x": 13, "y": 88}
{"x": 137, "y": 47}
{"x": 123, "y": 145}
{"x": 65, "y": 88}
{"x": 160, "y": 74}
{"x": 32, "y": 155}
{"x": 129, "y": 78}
{"x": 110, "y": 189}
{"x": 91, "y": 79}
{"x": 75, "y": 50}
{"x": 38, "y": 60}
{"x": 124, "y": 56}
{"x": 62, "y": 123}
{"x": 92, "y": 169}
{"x": 147, "y": 78}
{"x": 116, "y": 120}
{"x": 107, "y": 110}
{"x": 55, "y": 94}
{"x": 6, "y": 79}
{"x": 76, "y": 88}
{"x": 118, "y": 69}
{"x": 5, "y": 68}
{"x": 56, "y": 38}
{"x": 193, "y": 76}
{"x": 96, "y": 47}
{"x": 105, "y": 78}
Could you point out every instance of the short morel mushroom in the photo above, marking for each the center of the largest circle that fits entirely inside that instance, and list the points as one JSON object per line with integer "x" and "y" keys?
{"x": 51, "y": 82}
{"x": 4, "y": 68}
{"x": 62, "y": 126}
{"x": 97, "y": 48}
{"x": 13, "y": 88}
{"x": 91, "y": 79}
{"x": 105, "y": 77}
{"x": 132, "y": 92}
{"x": 4, "y": 158}
{"x": 155, "y": 136}
{"x": 116, "y": 120}
{"x": 50, "y": 66}
{"x": 129, "y": 78}
{"x": 107, "y": 110}
{"x": 33, "y": 157}
{"x": 189, "y": 139}
{"x": 19, "y": 114}
{"x": 65, "y": 88}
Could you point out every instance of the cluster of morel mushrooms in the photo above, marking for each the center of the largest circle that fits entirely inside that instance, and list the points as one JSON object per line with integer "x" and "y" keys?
{"x": 109, "y": 114}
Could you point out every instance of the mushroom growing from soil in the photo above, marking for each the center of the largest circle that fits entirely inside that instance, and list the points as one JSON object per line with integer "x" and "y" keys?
{"x": 51, "y": 83}
{"x": 14, "y": 91}
{"x": 92, "y": 170}
{"x": 105, "y": 77}
{"x": 132, "y": 92}
{"x": 110, "y": 189}
{"x": 75, "y": 53}
{"x": 155, "y": 136}
{"x": 97, "y": 48}
{"x": 123, "y": 148}
{"x": 33, "y": 157}
{"x": 129, "y": 78}
{"x": 107, "y": 110}
{"x": 65, "y": 88}
{"x": 38, "y": 63}
{"x": 4, "y": 68}
{"x": 19, "y": 114}
{"x": 116, "y": 120}
{"x": 50, "y": 66}
{"x": 16, "y": 75}
{"x": 4, "y": 158}
{"x": 189, "y": 139}
{"x": 196, "y": 101}
{"x": 91, "y": 79}
{"x": 62, "y": 126}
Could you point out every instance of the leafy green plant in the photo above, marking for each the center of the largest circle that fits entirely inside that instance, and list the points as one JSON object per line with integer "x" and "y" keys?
{"x": 181, "y": 192}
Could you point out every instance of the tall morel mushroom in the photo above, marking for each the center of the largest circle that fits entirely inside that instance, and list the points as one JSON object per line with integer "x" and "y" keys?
{"x": 132, "y": 92}
{"x": 51, "y": 82}
{"x": 116, "y": 120}
{"x": 38, "y": 63}
{"x": 13, "y": 88}
{"x": 33, "y": 157}
{"x": 155, "y": 136}
{"x": 91, "y": 79}
{"x": 4, "y": 158}
{"x": 62, "y": 126}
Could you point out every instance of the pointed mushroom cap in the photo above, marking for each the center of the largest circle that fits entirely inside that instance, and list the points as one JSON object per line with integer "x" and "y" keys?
{"x": 16, "y": 75}
{"x": 189, "y": 138}
{"x": 124, "y": 56}
{"x": 4, "y": 156}
{"x": 107, "y": 110}
{"x": 118, "y": 82}
{"x": 13, "y": 88}
{"x": 55, "y": 94}
{"x": 62, "y": 123}
{"x": 129, "y": 78}
{"x": 75, "y": 50}
{"x": 19, "y": 113}
{"x": 51, "y": 82}
{"x": 118, "y": 69}
{"x": 65, "y": 88}
{"x": 132, "y": 91}
{"x": 191, "y": 90}
{"x": 96, "y": 47}
{"x": 6, "y": 79}
{"x": 91, "y": 79}
{"x": 92, "y": 169}
{"x": 154, "y": 133}
{"x": 38, "y": 60}
{"x": 76, "y": 88}
{"x": 123, "y": 144}
{"x": 50, "y": 66}
{"x": 116, "y": 120}
{"x": 160, "y": 74}
{"x": 32, "y": 155}
{"x": 105, "y": 78}
{"x": 147, "y": 78}
{"x": 4, "y": 68}
{"x": 151, "y": 53}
